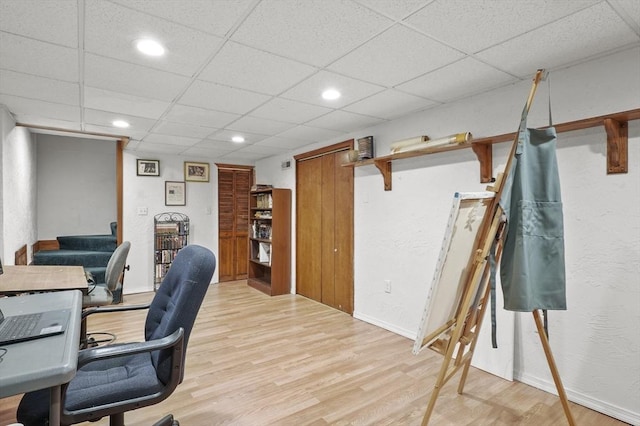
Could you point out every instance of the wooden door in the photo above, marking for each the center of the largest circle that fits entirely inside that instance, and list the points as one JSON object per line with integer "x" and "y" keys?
{"x": 234, "y": 184}
{"x": 324, "y": 248}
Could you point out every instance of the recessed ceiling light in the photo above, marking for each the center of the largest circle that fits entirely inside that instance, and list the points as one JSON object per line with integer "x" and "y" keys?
{"x": 120, "y": 123}
{"x": 237, "y": 139}
{"x": 330, "y": 94}
{"x": 149, "y": 47}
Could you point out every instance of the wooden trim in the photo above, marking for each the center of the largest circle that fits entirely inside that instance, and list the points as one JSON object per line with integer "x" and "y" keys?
{"x": 77, "y": 132}
{"x": 122, "y": 143}
{"x": 233, "y": 166}
{"x": 341, "y": 146}
{"x": 45, "y": 245}
{"x": 21, "y": 256}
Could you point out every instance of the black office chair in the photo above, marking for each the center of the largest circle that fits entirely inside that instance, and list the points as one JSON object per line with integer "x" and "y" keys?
{"x": 114, "y": 379}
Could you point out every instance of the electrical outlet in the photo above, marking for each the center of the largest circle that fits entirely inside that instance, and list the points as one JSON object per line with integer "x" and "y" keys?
{"x": 387, "y": 286}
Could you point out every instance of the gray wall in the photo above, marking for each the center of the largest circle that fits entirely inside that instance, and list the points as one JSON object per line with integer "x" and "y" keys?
{"x": 76, "y": 186}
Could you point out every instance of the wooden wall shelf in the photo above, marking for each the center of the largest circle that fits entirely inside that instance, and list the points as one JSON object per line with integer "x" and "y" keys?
{"x": 615, "y": 125}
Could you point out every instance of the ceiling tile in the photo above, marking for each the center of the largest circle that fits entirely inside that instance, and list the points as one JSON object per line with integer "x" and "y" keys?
{"x": 259, "y": 125}
{"x": 34, "y": 87}
{"x": 214, "y": 17}
{"x": 314, "y": 32}
{"x": 107, "y": 100}
{"x": 248, "y": 68}
{"x": 397, "y": 9}
{"x": 309, "y": 134}
{"x": 199, "y": 116}
{"x": 110, "y": 30}
{"x": 224, "y": 145}
{"x": 50, "y": 21}
{"x": 395, "y": 56}
{"x": 32, "y": 107}
{"x": 159, "y": 148}
{"x": 222, "y": 98}
{"x": 105, "y": 118}
{"x": 180, "y": 129}
{"x": 199, "y": 152}
{"x": 598, "y": 29}
{"x": 289, "y": 111}
{"x": 629, "y": 10}
{"x": 284, "y": 143}
{"x": 389, "y": 104}
{"x": 226, "y": 135}
{"x": 474, "y": 25}
{"x": 171, "y": 140}
{"x": 344, "y": 121}
{"x": 457, "y": 80}
{"x": 265, "y": 150}
{"x": 38, "y": 58}
{"x": 106, "y": 73}
{"x": 310, "y": 90}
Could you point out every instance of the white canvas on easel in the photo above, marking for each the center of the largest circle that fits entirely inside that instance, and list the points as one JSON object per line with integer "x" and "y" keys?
{"x": 453, "y": 267}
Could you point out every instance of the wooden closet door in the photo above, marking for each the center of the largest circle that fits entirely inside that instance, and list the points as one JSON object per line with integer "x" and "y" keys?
{"x": 233, "y": 222}
{"x": 324, "y": 255}
{"x": 309, "y": 229}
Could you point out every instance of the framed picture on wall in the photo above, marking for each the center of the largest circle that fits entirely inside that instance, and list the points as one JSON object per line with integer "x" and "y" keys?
{"x": 174, "y": 193}
{"x": 196, "y": 172}
{"x": 148, "y": 167}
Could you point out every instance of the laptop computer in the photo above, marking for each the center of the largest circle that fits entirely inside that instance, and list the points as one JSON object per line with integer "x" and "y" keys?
{"x": 18, "y": 328}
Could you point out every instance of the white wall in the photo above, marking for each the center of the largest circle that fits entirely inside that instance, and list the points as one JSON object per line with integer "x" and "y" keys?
{"x": 76, "y": 186}
{"x": 398, "y": 233}
{"x": 18, "y": 193}
{"x": 147, "y": 192}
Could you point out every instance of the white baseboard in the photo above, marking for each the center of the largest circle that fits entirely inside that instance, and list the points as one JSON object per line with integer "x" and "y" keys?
{"x": 616, "y": 412}
{"x": 394, "y": 329}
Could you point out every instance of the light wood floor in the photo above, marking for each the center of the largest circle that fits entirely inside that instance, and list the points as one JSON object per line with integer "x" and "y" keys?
{"x": 286, "y": 360}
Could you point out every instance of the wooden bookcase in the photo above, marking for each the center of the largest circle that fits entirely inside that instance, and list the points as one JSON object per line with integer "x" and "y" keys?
{"x": 270, "y": 241}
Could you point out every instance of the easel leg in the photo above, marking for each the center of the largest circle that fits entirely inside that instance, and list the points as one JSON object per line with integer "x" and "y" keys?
{"x": 553, "y": 368}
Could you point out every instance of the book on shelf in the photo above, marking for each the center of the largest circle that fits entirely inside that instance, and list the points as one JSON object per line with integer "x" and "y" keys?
{"x": 260, "y": 230}
{"x": 264, "y": 201}
{"x": 264, "y": 253}
{"x": 262, "y": 214}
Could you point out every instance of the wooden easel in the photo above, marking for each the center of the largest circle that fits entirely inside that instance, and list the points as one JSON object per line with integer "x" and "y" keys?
{"x": 457, "y": 339}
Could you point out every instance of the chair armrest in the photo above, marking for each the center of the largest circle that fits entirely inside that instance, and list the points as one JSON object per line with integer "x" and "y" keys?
{"x": 87, "y": 356}
{"x": 112, "y": 308}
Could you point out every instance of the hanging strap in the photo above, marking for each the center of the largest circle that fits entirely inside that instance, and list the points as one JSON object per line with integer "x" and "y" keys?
{"x": 492, "y": 281}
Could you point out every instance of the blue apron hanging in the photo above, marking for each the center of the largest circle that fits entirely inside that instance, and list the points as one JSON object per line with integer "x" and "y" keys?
{"x": 532, "y": 268}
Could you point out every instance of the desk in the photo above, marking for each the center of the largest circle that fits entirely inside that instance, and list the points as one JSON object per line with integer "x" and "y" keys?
{"x": 39, "y": 278}
{"x": 48, "y": 362}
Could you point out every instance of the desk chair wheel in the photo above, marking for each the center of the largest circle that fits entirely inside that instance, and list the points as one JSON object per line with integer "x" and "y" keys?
{"x": 167, "y": 420}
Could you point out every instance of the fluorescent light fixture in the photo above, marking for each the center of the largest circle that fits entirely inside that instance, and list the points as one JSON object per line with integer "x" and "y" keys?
{"x": 330, "y": 94}
{"x": 237, "y": 139}
{"x": 120, "y": 123}
{"x": 149, "y": 47}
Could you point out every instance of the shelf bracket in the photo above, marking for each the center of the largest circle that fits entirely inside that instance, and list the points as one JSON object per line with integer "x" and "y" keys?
{"x": 484, "y": 152}
{"x": 617, "y": 146}
{"x": 385, "y": 168}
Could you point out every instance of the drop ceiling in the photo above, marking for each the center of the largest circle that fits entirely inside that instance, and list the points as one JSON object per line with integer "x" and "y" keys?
{"x": 257, "y": 67}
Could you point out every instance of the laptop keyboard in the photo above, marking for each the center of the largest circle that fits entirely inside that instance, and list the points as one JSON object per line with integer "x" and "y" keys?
{"x": 17, "y": 327}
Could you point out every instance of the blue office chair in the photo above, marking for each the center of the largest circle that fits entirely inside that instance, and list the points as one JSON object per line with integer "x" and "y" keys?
{"x": 113, "y": 379}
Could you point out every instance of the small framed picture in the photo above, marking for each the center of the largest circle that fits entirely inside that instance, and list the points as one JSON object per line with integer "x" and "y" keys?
{"x": 148, "y": 167}
{"x": 174, "y": 193}
{"x": 196, "y": 172}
